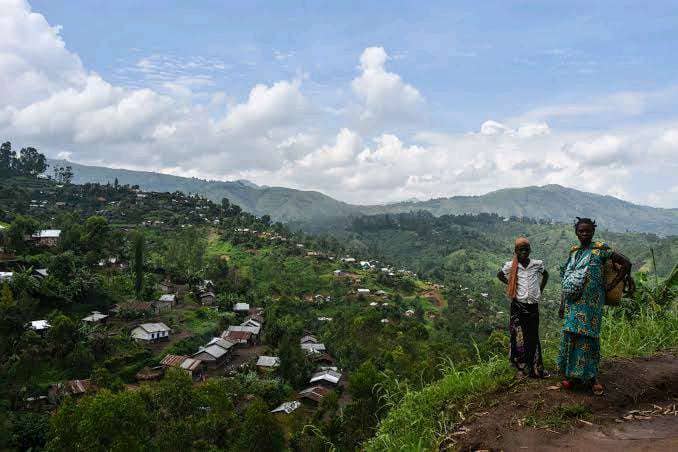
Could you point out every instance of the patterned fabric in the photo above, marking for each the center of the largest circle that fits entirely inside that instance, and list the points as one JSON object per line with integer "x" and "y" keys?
{"x": 525, "y": 352}
{"x": 579, "y": 356}
{"x": 583, "y": 286}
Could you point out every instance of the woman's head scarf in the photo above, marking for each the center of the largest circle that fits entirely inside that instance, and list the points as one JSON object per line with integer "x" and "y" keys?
{"x": 512, "y": 287}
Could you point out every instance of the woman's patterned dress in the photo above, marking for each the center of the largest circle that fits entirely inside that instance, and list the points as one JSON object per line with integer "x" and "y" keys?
{"x": 583, "y": 285}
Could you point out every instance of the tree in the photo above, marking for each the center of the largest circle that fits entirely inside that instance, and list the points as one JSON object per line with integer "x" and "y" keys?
{"x": 292, "y": 362}
{"x": 260, "y": 431}
{"x": 31, "y": 162}
{"x": 115, "y": 183}
{"x": 138, "y": 251}
{"x": 20, "y": 229}
{"x": 104, "y": 422}
{"x": 96, "y": 235}
{"x": 7, "y": 158}
{"x": 6, "y": 296}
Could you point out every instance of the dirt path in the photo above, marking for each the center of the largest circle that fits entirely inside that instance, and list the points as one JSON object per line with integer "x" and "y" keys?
{"x": 638, "y": 412}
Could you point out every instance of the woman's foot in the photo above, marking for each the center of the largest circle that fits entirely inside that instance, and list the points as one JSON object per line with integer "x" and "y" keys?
{"x": 566, "y": 384}
{"x": 597, "y": 389}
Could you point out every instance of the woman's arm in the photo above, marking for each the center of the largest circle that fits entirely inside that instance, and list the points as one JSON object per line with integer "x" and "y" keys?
{"x": 624, "y": 274}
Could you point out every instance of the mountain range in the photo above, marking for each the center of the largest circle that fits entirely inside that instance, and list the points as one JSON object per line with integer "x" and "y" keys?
{"x": 305, "y": 208}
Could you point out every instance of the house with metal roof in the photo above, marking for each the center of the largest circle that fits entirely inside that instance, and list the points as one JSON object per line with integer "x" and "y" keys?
{"x": 38, "y": 325}
{"x": 314, "y": 393}
{"x": 192, "y": 366}
{"x": 268, "y": 363}
{"x": 252, "y": 329}
{"x": 168, "y": 298}
{"x": 287, "y": 407}
{"x": 95, "y": 317}
{"x": 327, "y": 377}
{"x": 313, "y": 348}
{"x": 47, "y": 237}
{"x": 151, "y": 332}
{"x": 215, "y": 353}
{"x": 238, "y": 337}
{"x": 241, "y": 307}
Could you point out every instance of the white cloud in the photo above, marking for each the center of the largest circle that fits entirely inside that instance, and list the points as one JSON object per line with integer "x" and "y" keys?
{"x": 383, "y": 95}
{"x": 52, "y": 101}
{"x": 267, "y": 107}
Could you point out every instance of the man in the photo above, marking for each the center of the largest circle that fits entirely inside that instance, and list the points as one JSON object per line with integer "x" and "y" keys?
{"x": 525, "y": 280}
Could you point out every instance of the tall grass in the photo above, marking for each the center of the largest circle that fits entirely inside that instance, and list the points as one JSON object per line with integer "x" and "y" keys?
{"x": 418, "y": 421}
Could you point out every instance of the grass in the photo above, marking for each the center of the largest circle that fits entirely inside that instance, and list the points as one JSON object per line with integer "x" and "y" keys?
{"x": 416, "y": 421}
{"x": 559, "y": 416}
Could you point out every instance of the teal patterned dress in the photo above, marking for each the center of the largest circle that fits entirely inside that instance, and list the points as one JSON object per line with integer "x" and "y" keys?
{"x": 583, "y": 286}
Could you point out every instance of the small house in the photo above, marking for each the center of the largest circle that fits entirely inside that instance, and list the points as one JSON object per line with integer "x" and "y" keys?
{"x": 151, "y": 332}
{"x": 243, "y": 338}
{"x": 254, "y": 329}
{"x": 168, "y": 298}
{"x": 215, "y": 353}
{"x": 308, "y": 339}
{"x": 38, "y": 325}
{"x": 326, "y": 377}
{"x": 207, "y": 298}
{"x": 192, "y": 366}
{"x": 47, "y": 237}
{"x": 314, "y": 393}
{"x": 159, "y": 307}
{"x": 287, "y": 407}
{"x": 409, "y": 313}
{"x": 40, "y": 273}
{"x": 74, "y": 388}
{"x": 95, "y": 317}
{"x": 313, "y": 348}
{"x": 241, "y": 307}
{"x": 338, "y": 272}
{"x": 268, "y": 363}
{"x": 363, "y": 292}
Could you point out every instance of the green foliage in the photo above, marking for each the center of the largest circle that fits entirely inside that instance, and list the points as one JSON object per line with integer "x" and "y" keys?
{"x": 16, "y": 234}
{"x": 138, "y": 240}
{"x": 260, "y": 431}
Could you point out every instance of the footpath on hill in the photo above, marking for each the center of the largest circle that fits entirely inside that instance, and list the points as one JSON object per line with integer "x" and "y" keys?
{"x": 639, "y": 411}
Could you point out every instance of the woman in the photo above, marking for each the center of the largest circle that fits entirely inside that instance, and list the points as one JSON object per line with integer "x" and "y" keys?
{"x": 582, "y": 300}
{"x": 525, "y": 280}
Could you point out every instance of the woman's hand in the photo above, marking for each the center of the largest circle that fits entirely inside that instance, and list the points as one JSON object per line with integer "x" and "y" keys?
{"x": 561, "y": 313}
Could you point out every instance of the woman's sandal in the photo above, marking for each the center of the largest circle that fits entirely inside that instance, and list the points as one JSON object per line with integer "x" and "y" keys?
{"x": 566, "y": 384}
{"x": 598, "y": 389}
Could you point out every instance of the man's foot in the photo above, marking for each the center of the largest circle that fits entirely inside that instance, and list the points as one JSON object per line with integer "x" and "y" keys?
{"x": 598, "y": 389}
{"x": 566, "y": 384}
{"x": 520, "y": 375}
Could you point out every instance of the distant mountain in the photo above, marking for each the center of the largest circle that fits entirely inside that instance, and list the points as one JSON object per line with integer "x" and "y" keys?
{"x": 554, "y": 202}
{"x": 307, "y": 208}
{"x": 282, "y": 204}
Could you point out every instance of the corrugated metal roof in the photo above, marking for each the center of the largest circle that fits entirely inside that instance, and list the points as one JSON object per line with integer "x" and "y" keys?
{"x": 287, "y": 407}
{"x": 241, "y": 307}
{"x": 268, "y": 361}
{"x": 331, "y": 376}
{"x": 223, "y": 343}
{"x": 213, "y": 350}
{"x": 168, "y": 297}
{"x": 173, "y": 360}
{"x": 47, "y": 234}
{"x": 154, "y": 327}
{"x": 237, "y": 336}
{"x": 316, "y": 393}
{"x": 191, "y": 364}
{"x": 78, "y": 386}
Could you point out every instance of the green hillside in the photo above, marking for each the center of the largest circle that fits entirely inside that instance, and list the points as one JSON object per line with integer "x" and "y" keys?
{"x": 314, "y": 211}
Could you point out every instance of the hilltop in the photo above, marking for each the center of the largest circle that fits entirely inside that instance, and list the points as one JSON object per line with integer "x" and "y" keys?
{"x": 312, "y": 210}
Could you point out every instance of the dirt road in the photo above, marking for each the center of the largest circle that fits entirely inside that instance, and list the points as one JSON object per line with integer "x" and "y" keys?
{"x": 638, "y": 412}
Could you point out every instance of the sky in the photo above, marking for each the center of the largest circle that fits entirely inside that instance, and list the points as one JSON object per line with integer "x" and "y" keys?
{"x": 368, "y": 102}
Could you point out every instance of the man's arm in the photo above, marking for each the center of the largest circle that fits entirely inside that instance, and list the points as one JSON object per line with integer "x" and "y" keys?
{"x": 544, "y": 280}
{"x": 502, "y": 277}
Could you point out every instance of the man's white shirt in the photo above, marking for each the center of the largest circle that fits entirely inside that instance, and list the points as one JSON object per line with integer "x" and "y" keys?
{"x": 529, "y": 280}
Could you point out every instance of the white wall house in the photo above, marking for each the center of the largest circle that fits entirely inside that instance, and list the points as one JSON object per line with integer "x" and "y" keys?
{"x": 151, "y": 332}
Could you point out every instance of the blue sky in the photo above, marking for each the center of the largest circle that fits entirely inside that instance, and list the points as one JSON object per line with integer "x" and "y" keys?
{"x": 365, "y": 101}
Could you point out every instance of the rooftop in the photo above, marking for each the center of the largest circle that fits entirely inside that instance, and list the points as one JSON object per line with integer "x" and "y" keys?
{"x": 154, "y": 327}
{"x": 268, "y": 361}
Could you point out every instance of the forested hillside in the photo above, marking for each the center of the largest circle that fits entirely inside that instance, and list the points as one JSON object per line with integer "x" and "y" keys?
{"x": 313, "y": 210}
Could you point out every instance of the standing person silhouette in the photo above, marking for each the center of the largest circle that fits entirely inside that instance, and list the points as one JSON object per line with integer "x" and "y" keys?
{"x": 581, "y": 305}
{"x": 525, "y": 280}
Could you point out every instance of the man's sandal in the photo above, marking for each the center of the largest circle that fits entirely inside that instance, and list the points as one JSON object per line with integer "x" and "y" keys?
{"x": 598, "y": 389}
